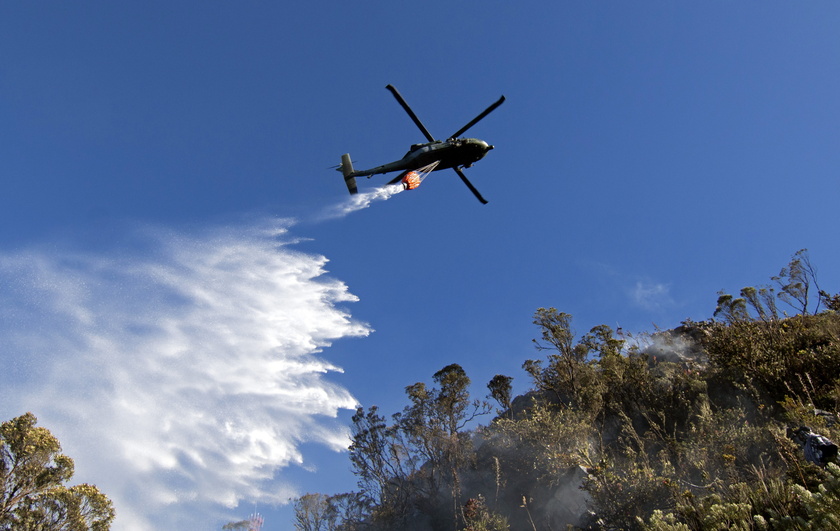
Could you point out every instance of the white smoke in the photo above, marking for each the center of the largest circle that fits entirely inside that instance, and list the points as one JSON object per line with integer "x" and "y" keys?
{"x": 360, "y": 201}
{"x": 183, "y": 378}
{"x": 651, "y": 295}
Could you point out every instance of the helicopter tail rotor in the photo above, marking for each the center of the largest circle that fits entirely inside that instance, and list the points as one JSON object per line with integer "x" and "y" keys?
{"x": 346, "y": 168}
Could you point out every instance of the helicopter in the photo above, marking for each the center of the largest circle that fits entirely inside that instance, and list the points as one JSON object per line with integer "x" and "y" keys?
{"x": 454, "y": 152}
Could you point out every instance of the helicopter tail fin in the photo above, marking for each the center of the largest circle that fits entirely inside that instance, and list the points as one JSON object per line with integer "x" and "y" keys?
{"x": 346, "y": 168}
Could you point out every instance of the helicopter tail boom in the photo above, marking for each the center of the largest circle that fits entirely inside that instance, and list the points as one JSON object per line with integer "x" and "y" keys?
{"x": 346, "y": 169}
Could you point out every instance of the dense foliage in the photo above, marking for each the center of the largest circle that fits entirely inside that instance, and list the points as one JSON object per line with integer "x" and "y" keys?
{"x": 33, "y": 474}
{"x": 723, "y": 424}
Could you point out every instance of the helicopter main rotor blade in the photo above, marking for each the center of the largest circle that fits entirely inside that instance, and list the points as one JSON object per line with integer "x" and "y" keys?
{"x": 470, "y": 186}
{"x": 413, "y": 116}
{"x": 475, "y": 120}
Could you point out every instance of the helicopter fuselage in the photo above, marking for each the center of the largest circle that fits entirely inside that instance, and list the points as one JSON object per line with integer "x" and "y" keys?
{"x": 452, "y": 153}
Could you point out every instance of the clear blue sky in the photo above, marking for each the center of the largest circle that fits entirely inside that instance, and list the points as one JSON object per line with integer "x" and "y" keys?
{"x": 648, "y": 155}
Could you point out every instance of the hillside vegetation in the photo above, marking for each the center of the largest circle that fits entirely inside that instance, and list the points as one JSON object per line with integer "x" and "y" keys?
{"x": 721, "y": 424}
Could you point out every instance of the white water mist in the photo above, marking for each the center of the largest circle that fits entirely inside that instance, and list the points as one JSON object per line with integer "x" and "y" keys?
{"x": 183, "y": 378}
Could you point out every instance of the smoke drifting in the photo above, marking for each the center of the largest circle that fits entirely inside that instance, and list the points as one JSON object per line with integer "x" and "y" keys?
{"x": 181, "y": 378}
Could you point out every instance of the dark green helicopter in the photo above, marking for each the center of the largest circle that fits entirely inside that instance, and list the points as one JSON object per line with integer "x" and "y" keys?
{"x": 456, "y": 153}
